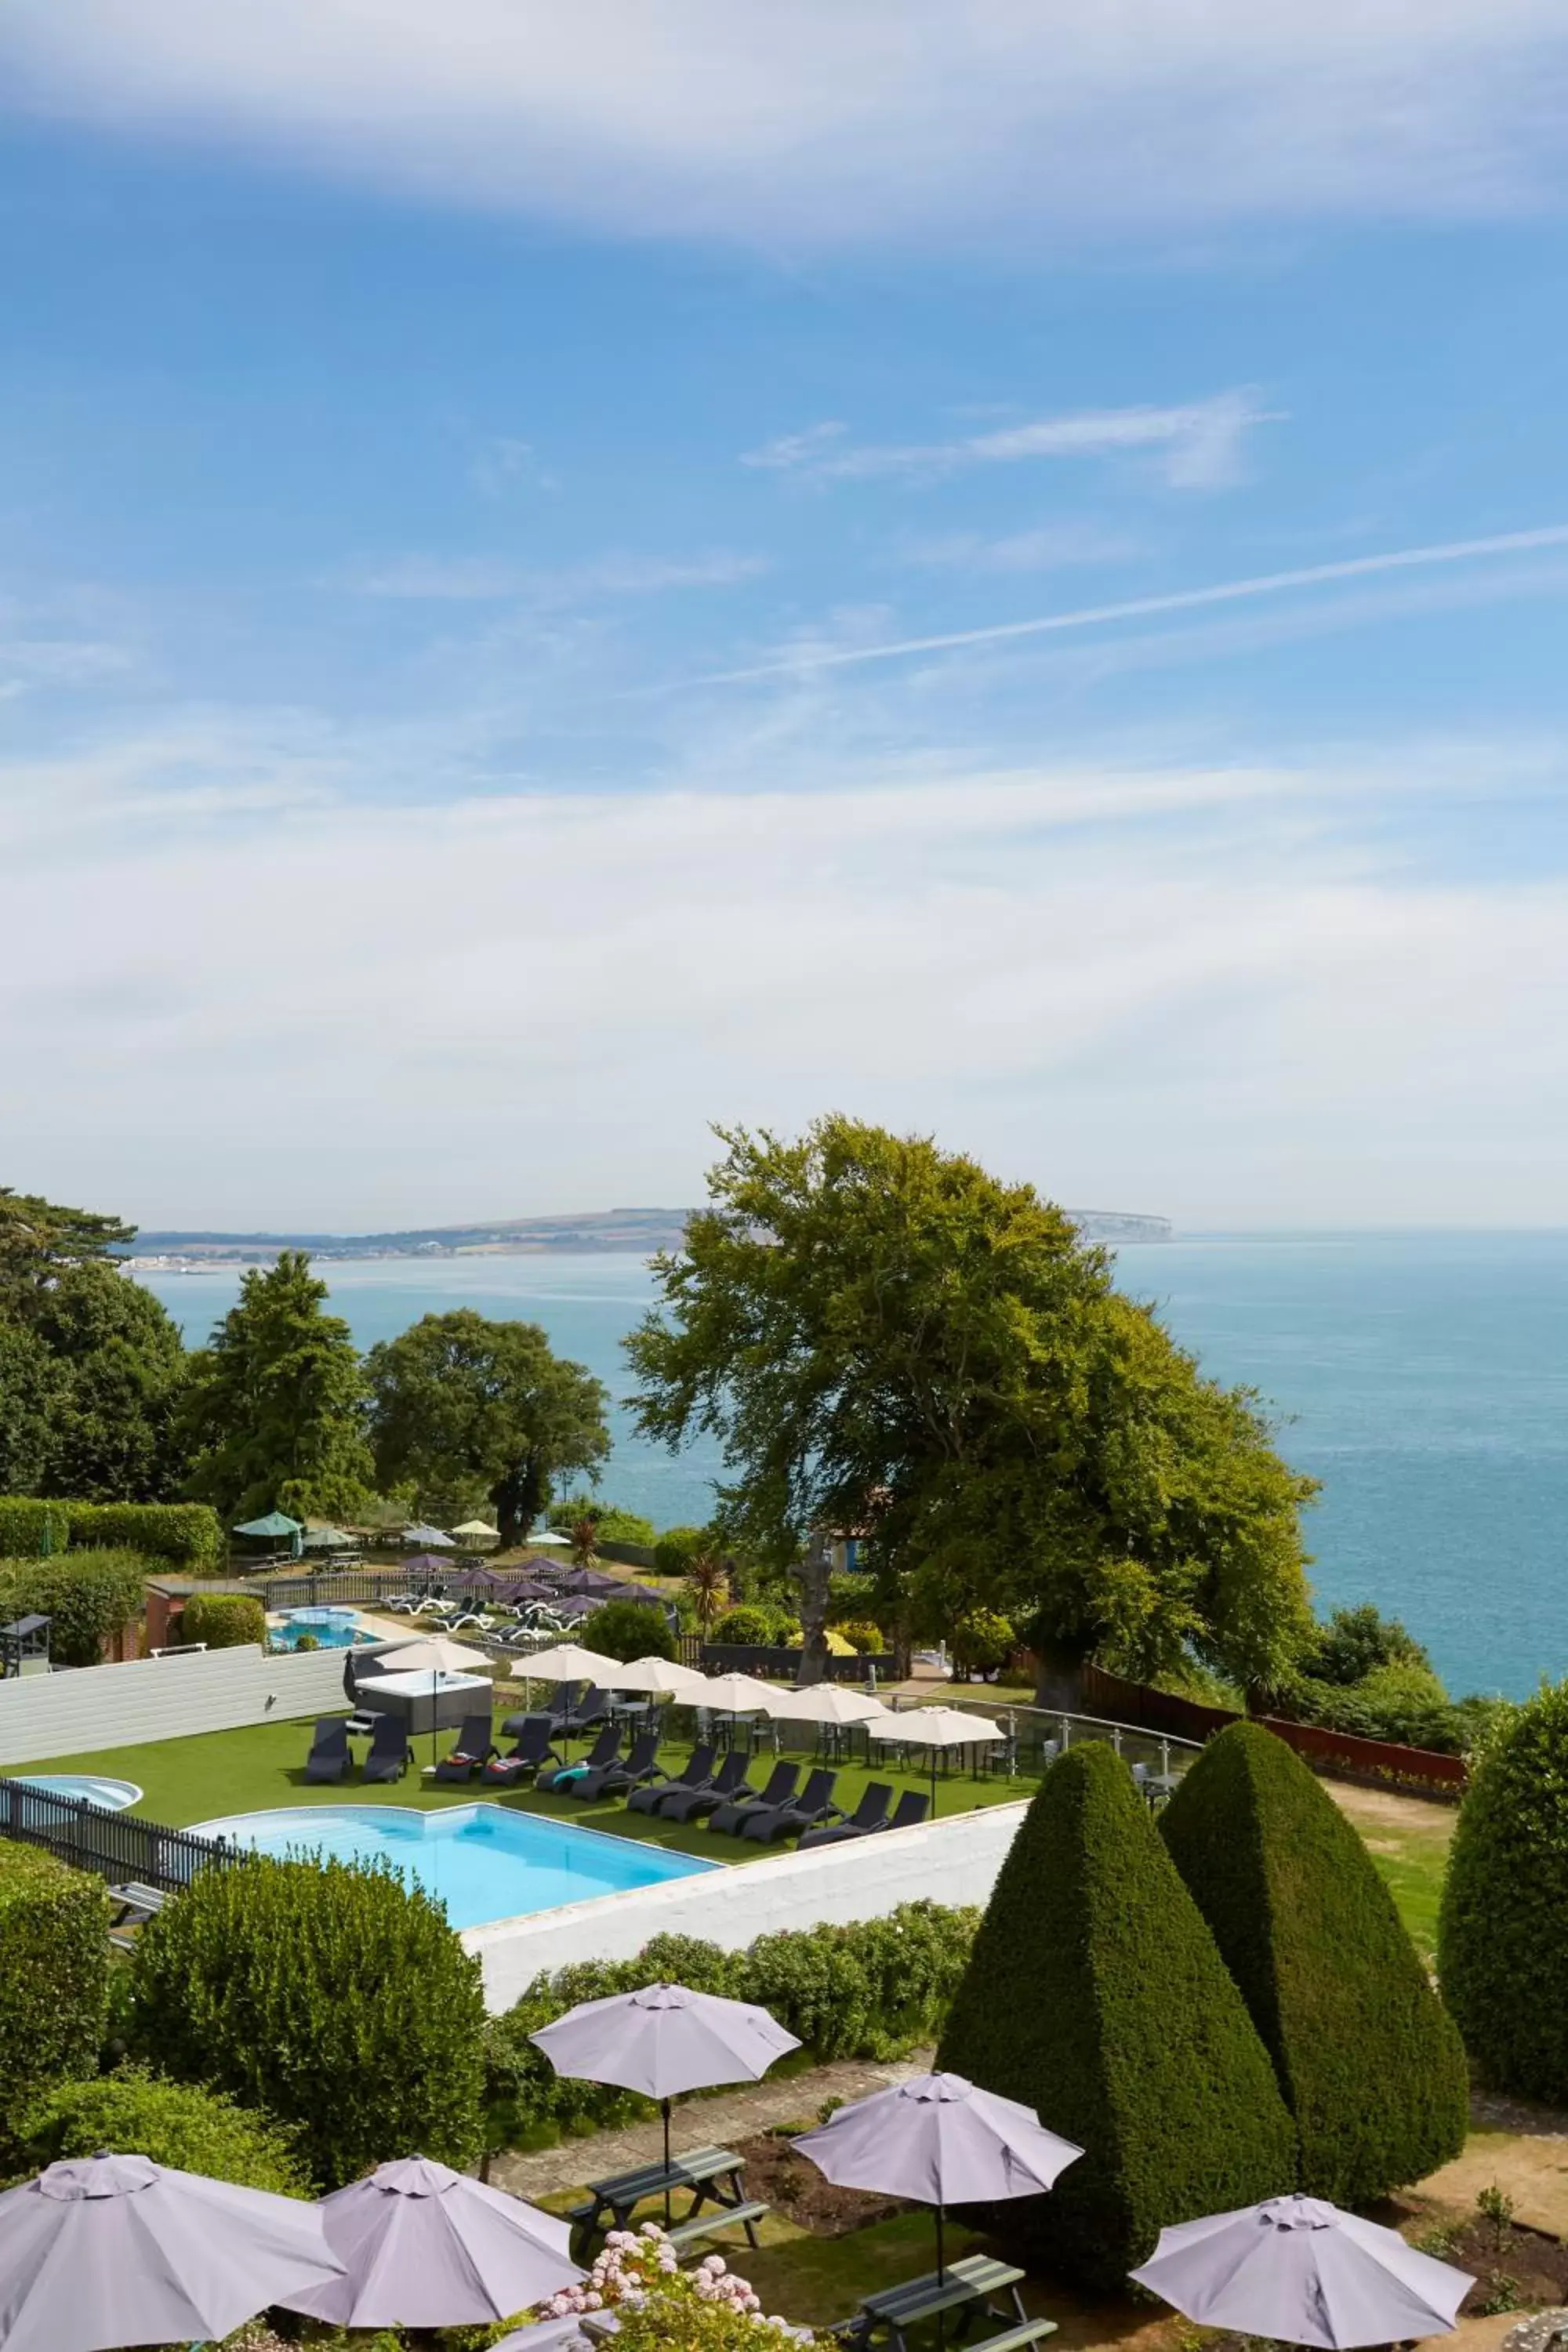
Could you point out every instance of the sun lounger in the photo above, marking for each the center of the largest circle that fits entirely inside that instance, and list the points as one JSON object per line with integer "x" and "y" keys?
{"x": 606, "y": 1750}
{"x": 613, "y": 1779}
{"x": 869, "y": 1815}
{"x": 727, "y": 1783}
{"x": 387, "y": 1759}
{"x": 329, "y": 1758}
{"x": 695, "y": 1773}
{"x": 814, "y": 1804}
{"x": 533, "y": 1749}
{"x": 592, "y": 1707}
{"x": 475, "y": 1747}
{"x": 782, "y": 1781}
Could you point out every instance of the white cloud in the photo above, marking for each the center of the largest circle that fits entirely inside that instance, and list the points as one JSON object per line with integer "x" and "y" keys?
{"x": 1050, "y": 547}
{"x": 831, "y": 125}
{"x": 486, "y": 579}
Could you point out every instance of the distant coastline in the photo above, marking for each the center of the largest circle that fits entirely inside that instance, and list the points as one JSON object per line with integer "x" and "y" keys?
{"x": 639, "y": 1231}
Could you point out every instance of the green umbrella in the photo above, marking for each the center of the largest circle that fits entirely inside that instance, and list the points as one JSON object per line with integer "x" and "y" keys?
{"x": 275, "y": 1523}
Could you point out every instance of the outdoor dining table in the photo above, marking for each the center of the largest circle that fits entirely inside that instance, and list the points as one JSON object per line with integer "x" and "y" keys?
{"x": 714, "y": 2176}
{"x": 966, "y": 2289}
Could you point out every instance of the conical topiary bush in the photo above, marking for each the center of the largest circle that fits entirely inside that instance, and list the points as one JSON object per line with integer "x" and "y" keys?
{"x": 1369, "y": 2061}
{"x": 1096, "y": 1995}
{"x": 1502, "y": 1931}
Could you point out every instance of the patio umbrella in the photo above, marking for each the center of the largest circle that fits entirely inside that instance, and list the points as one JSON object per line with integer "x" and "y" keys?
{"x": 939, "y": 2139}
{"x": 941, "y": 1726}
{"x": 1301, "y": 2271}
{"x": 423, "y": 2246}
{"x": 661, "y": 1678}
{"x": 426, "y": 1670}
{"x": 550, "y": 1539}
{"x": 431, "y": 1653}
{"x": 828, "y": 1702}
{"x": 662, "y": 2039}
{"x": 477, "y": 1527}
{"x": 737, "y": 1695}
{"x": 326, "y": 1539}
{"x": 108, "y": 2250}
{"x": 436, "y": 1538}
{"x": 567, "y": 1663}
{"x": 425, "y": 1564}
{"x": 275, "y": 1525}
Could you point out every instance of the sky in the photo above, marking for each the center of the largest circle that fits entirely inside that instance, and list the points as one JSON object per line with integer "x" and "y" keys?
{"x": 569, "y": 574}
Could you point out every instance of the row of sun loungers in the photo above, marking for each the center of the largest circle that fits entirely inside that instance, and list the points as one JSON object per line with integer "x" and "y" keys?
{"x": 331, "y": 1755}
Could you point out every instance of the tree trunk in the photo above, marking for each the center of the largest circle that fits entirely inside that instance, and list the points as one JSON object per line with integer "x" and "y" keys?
{"x": 1058, "y": 1675}
{"x": 517, "y": 1501}
{"x": 813, "y": 1575}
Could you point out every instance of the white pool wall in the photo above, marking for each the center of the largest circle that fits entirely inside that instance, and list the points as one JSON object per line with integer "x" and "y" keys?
{"x": 952, "y": 1862}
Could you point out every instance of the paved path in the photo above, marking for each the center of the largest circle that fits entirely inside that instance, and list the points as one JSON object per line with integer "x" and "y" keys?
{"x": 721, "y": 2119}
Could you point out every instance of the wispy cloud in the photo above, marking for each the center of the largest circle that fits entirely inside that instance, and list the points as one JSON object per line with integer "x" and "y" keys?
{"x": 1051, "y": 547}
{"x": 505, "y": 463}
{"x": 1197, "y": 446}
{"x": 480, "y": 579}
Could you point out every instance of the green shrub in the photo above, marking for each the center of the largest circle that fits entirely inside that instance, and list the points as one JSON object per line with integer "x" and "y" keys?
{"x": 306, "y": 1643}
{"x": 631, "y": 1629}
{"x": 53, "y": 1972}
{"x": 333, "y": 1996}
{"x": 981, "y": 1641}
{"x": 611, "y": 1524}
{"x": 1369, "y": 2063}
{"x": 1095, "y": 1994}
{"x": 30, "y": 1530}
{"x": 868, "y": 1640}
{"x": 752, "y": 1624}
{"x": 185, "y": 1538}
{"x": 1357, "y": 1642}
{"x": 1502, "y": 1954}
{"x": 91, "y": 1595}
{"x": 223, "y": 1621}
{"x": 172, "y": 2123}
{"x": 677, "y": 1548}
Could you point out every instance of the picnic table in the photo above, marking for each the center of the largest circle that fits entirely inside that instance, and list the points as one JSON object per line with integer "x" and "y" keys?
{"x": 714, "y": 2176}
{"x": 966, "y": 2289}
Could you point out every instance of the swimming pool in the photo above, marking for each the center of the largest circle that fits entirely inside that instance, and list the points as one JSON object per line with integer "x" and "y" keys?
{"x": 331, "y": 1629}
{"x": 484, "y": 1862}
{"x": 109, "y": 1796}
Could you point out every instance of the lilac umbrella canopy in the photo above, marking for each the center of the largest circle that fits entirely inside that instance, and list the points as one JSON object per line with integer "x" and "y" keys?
{"x": 423, "y": 2246}
{"x": 1301, "y": 2271}
{"x": 941, "y": 2141}
{"x": 109, "y": 2250}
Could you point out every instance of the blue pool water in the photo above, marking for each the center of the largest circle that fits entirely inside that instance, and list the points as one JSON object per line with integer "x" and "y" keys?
{"x": 483, "y": 1862}
{"x": 333, "y": 1629}
{"x": 109, "y": 1796}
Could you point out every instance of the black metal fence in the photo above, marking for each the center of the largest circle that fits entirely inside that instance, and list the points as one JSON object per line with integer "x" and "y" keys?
{"x": 120, "y": 1847}
{"x": 756, "y": 1658}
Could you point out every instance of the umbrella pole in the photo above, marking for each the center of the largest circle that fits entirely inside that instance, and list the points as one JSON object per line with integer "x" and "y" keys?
{"x": 664, "y": 2105}
{"x": 940, "y": 2268}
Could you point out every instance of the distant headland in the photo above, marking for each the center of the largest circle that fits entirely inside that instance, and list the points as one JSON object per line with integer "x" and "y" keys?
{"x": 640, "y": 1229}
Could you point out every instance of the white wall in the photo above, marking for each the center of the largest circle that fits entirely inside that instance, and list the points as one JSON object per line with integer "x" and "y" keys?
{"x": 45, "y": 1716}
{"x": 947, "y": 1862}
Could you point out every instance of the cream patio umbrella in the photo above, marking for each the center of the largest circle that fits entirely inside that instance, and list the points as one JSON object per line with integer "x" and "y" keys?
{"x": 567, "y": 1663}
{"x": 834, "y": 1702}
{"x": 431, "y": 1654}
{"x": 659, "y": 1678}
{"x": 938, "y": 1727}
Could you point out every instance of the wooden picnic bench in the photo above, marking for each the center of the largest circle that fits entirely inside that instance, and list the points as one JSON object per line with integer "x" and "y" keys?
{"x": 714, "y": 2176}
{"x": 966, "y": 2288}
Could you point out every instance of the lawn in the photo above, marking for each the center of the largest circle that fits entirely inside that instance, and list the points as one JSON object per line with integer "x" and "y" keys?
{"x": 1408, "y": 1838}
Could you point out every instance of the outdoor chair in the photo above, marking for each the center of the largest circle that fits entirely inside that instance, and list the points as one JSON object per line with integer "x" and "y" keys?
{"x": 606, "y": 1750}
{"x": 695, "y": 1773}
{"x": 531, "y": 1751}
{"x": 329, "y": 1758}
{"x": 869, "y": 1815}
{"x": 727, "y": 1783}
{"x": 475, "y": 1748}
{"x": 387, "y": 1757}
{"x": 783, "y": 1782}
{"x": 910, "y": 1810}
{"x": 623, "y": 1772}
{"x": 558, "y": 1705}
{"x": 814, "y": 1804}
{"x": 592, "y": 1707}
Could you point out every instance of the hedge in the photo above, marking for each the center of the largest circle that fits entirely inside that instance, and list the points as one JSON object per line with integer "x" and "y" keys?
{"x": 174, "y": 2123}
{"x": 1095, "y": 1994}
{"x": 1502, "y": 1954}
{"x": 90, "y": 1595}
{"x": 31, "y": 1530}
{"x": 223, "y": 1621}
{"x": 331, "y": 1996}
{"x": 53, "y": 1972}
{"x": 183, "y": 1537}
{"x": 631, "y": 1629}
{"x": 1369, "y": 2063}
{"x": 874, "y": 1989}
{"x": 678, "y": 1548}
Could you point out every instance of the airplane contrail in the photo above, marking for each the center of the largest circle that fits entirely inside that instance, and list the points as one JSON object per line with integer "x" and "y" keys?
{"x": 1137, "y": 608}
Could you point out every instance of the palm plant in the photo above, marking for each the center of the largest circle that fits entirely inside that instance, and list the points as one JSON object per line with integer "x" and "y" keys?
{"x": 708, "y": 1581}
{"x": 585, "y": 1535}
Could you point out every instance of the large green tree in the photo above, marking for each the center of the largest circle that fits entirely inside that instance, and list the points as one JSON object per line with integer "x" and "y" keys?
{"x": 39, "y": 1239}
{"x": 882, "y": 1334}
{"x": 275, "y": 1413}
{"x": 459, "y": 1402}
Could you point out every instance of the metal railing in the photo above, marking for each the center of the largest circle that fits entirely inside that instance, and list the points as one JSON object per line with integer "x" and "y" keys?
{"x": 120, "y": 1847}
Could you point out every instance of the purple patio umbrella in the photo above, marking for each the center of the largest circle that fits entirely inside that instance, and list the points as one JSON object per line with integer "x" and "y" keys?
{"x": 1301, "y": 2271}
{"x": 109, "y": 2250}
{"x": 423, "y": 2246}
{"x": 939, "y": 2140}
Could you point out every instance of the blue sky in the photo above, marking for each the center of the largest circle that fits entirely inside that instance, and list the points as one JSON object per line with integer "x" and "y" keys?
{"x": 484, "y": 494}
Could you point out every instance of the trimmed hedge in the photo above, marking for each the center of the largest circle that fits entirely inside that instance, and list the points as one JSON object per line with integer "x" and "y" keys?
{"x": 631, "y": 1629}
{"x": 53, "y": 1972}
{"x": 31, "y": 1530}
{"x": 1370, "y": 2063}
{"x": 1502, "y": 1953}
{"x": 174, "y": 2123}
{"x": 1095, "y": 1995}
{"x": 223, "y": 1621}
{"x": 91, "y": 1595}
{"x": 332, "y": 1996}
{"x": 186, "y": 1537}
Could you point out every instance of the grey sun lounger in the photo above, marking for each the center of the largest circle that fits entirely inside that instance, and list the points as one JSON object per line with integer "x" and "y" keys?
{"x": 695, "y": 1773}
{"x": 606, "y": 1750}
{"x": 869, "y": 1815}
{"x": 475, "y": 1748}
{"x": 623, "y": 1772}
{"x": 814, "y": 1804}
{"x": 329, "y": 1757}
{"x": 531, "y": 1751}
{"x": 729, "y": 1780}
{"x": 783, "y": 1782}
{"x": 387, "y": 1759}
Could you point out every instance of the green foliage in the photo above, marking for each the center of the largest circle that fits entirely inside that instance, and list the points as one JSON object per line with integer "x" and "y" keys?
{"x": 874, "y": 1330}
{"x": 981, "y": 1641}
{"x": 333, "y": 1996}
{"x": 677, "y": 1547}
{"x": 631, "y": 1629}
{"x": 1095, "y": 1994}
{"x": 307, "y": 1642}
{"x": 273, "y": 1412}
{"x": 91, "y": 1595}
{"x": 1357, "y": 1642}
{"x": 40, "y": 1241}
{"x": 176, "y": 2124}
{"x": 868, "y": 1640}
{"x": 53, "y": 1972}
{"x": 31, "y": 1529}
{"x": 185, "y": 1538}
{"x": 459, "y": 1396}
{"x": 611, "y": 1523}
{"x": 752, "y": 1624}
{"x": 1368, "y": 2061}
{"x": 223, "y": 1621}
{"x": 1502, "y": 1956}
{"x": 1405, "y": 1702}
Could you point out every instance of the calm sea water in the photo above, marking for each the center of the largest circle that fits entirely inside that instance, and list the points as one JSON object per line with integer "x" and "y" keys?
{"x": 1422, "y": 1378}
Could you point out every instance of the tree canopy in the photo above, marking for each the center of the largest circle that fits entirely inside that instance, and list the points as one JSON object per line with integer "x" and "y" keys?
{"x": 458, "y": 1397}
{"x": 884, "y": 1338}
{"x": 274, "y": 1414}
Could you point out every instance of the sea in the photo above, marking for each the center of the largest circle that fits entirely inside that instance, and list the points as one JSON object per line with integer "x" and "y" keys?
{"x": 1421, "y": 1377}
